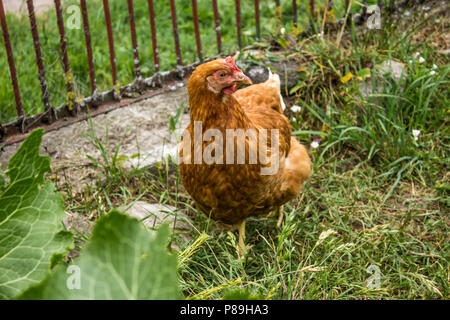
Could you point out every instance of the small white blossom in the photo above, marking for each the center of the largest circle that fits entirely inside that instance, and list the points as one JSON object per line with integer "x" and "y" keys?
{"x": 417, "y": 54}
{"x": 432, "y": 73}
{"x": 283, "y": 30}
{"x": 406, "y": 14}
{"x": 410, "y": 61}
{"x": 296, "y": 108}
{"x": 319, "y": 35}
{"x": 434, "y": 66}
{"x": 421, "y": 60}
{"x": 314, "y": 144}
{"x": 416, "y": 134}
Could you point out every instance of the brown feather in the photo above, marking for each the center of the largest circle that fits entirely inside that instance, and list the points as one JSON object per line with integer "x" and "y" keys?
{"x": 230, "y": 193}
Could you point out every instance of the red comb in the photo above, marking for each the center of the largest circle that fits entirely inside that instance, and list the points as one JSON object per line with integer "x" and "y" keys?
{"x": 229, "y": 61}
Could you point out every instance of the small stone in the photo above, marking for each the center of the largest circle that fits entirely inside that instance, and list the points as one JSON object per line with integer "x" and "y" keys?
{"x": 396, "y": 69}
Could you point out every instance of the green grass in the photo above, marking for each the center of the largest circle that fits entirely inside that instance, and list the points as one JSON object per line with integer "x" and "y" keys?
{"x": 376, "y": 197}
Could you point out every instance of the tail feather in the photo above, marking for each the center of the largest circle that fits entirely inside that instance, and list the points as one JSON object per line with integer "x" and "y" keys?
{"x": 274, "y": 81}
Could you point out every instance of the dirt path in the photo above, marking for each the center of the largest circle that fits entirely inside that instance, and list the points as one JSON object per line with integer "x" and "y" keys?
{"x": 141, "y": 128}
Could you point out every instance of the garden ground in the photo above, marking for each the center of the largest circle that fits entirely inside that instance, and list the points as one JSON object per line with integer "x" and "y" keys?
{"x": 376, "y": 206}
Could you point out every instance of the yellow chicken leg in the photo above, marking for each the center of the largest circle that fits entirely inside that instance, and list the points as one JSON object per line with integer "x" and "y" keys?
{"x": 241, "y": 243}
{"x": 280, "y": 216}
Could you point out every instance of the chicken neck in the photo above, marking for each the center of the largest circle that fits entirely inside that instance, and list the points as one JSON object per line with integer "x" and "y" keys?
{"x": 219, "y": 111}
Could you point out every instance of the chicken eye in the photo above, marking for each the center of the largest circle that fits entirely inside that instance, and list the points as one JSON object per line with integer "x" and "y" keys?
{"x": 222, "y": 74}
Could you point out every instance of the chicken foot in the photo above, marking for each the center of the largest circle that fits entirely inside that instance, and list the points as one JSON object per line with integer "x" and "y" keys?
{"x": 241, "y": 243}
{"x": 280, "y": 211}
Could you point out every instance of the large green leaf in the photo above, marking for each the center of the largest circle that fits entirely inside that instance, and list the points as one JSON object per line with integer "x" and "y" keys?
{"x": 30, "y": 220}
{"x": 122, "y": 260}
{"x": 2, "y": 181}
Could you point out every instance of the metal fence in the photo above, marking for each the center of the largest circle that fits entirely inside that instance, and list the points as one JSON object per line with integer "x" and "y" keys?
{"x": 97, "y": 103}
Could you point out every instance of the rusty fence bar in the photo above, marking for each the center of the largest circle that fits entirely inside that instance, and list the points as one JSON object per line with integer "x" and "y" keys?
{"x": 38, "y": 53}
{"x": 175, "y": 32}
{"x": 364, "y": 9}
{"x": 137, "y": 68}
{"x": 11, "y": 64}
{"x": 151, "y": 13}
{"x": 65, "y": 58}
{"x": 294, "y": 12}
{"x": 278, "y": 16}
{"x": 238, "y": 22}
{"x": 87, "y": 38}
{"x": 257, "y": 24}
{"x": 198, "y": 40}
{"x": 311, "y": 8}
{"x": 112, "y": 52}
{"x": 217, "y": 24}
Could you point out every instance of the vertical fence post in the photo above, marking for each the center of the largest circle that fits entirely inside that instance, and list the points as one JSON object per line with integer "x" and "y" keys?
{"x": 294, "y": 12}
{"x": 39, "y": 61}
{"x": 151, "y": 12}
{"x": 65, "y": 58}
{"x": 217, "y": 23}
{"x": 11, "y": 64}
{"x": 258, "y": 26}
{"x": 197, "y": 29}
{"x": 278, "y": 15}
{"x": 238, "y": 22}
{"x": 347, "y": 9}
{"x": 364, "y": 10}
{"x": 137, "y": 68}
{"x": 87, "y": 39}
{"x": 112, "y": 53}
{"x": 175, "y": 32}
{"x": 311, "y": 8}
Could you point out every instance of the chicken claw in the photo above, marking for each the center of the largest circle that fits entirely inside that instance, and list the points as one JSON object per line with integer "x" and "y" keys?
{"x": 241, "y": 243}
{"x": 280, "y": 216}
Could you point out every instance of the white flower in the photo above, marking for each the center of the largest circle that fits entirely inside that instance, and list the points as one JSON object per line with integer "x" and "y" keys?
{"x": 410, "y": 61}
{"x": 416, "y": 134}
{"x": 283, "y": 30}
{"x": 319, "y": 35}
{"x": 406, "y": 14}
{"x": 417, "y": 54}
{"x": 314, "y": 144}
{"x": 421, "y": 60}
{"x": 432, "y": 73}
{"x": 434, "y": 66}
{"x": 296, "y": 108}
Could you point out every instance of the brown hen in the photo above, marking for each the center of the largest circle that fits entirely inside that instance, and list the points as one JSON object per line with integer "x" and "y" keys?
{"x": 232, "y": 177}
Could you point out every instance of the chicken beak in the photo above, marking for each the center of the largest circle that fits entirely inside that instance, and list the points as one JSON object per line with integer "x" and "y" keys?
{"x": 241, "y": 78}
